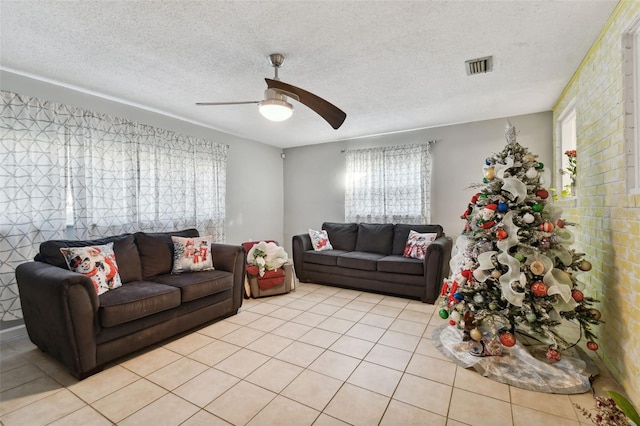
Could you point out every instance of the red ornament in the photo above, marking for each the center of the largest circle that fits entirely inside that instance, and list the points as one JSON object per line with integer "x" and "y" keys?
{"x": 501, "y": 234}
{"x": 452, "y": 322}
{"x": 553, "y": 355}
{"x": 507, "y": 339}
{"x": 577, "y": 295}
{"x": 560, "y": 223}
{"x": 546, "y": 227}
{"x": 542, "y": 193}
{"x": 539, "y": 288}
{"x": 475, "y": 198}
{"x": 592, "y": 346}
{"x": 467, "y": 274}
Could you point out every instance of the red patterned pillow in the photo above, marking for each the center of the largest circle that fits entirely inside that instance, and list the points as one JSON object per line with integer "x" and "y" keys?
{"x": 417, "y": 244}
{"x": 320, "y": 240}
{"x": 192, "y": 254}
{"x": 97, "y": 263}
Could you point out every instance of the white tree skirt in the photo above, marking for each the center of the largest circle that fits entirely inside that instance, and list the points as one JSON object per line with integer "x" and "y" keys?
{"x": 525, "y": 367}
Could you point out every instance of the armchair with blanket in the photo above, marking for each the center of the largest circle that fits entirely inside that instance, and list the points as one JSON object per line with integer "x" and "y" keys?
{"x": 269, "y": 271}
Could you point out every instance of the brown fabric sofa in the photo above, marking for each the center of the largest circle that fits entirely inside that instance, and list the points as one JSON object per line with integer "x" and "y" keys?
{"x": 66, "y": 318}
{"x": 370, "y": 257}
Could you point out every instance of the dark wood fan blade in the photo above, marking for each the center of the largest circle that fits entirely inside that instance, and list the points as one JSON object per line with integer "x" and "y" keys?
{"x": 331, "y": 113}
{"x": 225, "y": 103}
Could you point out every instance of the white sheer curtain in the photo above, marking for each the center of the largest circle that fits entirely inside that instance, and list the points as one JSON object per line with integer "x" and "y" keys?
{"x": 211, "y": 181}
{"x": 68, "y": 168}
{"x": 32, "y": 189}
{"x": 182, "y": 182}
{"x": 127, "y": 177}
{"x": 102, "y": 174}
{"x": 388, "y": 185}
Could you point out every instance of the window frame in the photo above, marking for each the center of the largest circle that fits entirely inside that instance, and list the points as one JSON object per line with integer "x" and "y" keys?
{"x": 631, "y": 91}
{"x": 382, "y": 199}
{"x": 566, "y": 139}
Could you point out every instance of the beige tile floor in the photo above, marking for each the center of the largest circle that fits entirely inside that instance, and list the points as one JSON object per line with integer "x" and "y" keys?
{"x": 320, "y": 355}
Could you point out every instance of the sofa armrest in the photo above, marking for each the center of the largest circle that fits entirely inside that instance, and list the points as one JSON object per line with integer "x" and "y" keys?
{"x": 300, "y": 244}
{"x": 436, "y": 267}
{"x": 232, "y": 258}
{"x": 60, "y": 313}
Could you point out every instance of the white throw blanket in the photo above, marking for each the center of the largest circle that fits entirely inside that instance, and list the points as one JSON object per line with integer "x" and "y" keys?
{"x": 267, "y": 256}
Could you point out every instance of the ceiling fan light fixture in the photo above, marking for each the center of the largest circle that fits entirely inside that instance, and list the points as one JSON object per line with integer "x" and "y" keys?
{"x": 275, "y": 109}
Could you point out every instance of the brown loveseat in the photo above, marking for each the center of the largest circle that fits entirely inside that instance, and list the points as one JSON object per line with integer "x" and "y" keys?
{"x": 370, "y": 257}
{"x": 66, "y": 318}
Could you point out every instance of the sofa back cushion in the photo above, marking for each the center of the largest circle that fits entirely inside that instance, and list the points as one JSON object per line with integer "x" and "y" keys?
{"x": 401, "y": 234}
{"x": 342, "y": 236}
{"x": 156, "y": 250}
{"x": 124, "y": 247}
{"x": 375, "y": 238}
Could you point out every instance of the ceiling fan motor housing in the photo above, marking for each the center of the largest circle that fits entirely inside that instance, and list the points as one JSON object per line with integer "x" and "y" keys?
{"x": 275, "y": 106}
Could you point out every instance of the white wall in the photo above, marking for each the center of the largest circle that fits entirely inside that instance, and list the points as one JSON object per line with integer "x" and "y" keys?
{"x": 254, "y": 170}
{"x": 314, "y": 175}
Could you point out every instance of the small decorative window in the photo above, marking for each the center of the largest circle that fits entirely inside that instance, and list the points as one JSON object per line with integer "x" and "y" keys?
{"x": 566, "y": 155}
{"x": 631, "y": 70}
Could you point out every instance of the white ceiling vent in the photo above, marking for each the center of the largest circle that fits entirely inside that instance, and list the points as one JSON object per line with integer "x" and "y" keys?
{"x": 479, "y": 66}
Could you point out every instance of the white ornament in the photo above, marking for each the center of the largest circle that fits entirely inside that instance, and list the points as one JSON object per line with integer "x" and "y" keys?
{"x": 528, "y": 218}
{"x": 532, "y": 173}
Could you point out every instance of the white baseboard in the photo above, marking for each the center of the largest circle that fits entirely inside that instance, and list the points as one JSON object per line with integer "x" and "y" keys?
{"x": 13, "y": 332}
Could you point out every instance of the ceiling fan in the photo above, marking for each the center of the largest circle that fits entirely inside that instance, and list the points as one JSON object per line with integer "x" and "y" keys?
{"x": 275, "y": 106}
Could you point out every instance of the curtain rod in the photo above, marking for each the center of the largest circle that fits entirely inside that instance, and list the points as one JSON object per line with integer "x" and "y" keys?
{"x": 431, "y": 142}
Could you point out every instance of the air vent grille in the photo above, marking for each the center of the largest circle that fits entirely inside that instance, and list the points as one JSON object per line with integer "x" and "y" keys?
{"x": 479, "y": 66}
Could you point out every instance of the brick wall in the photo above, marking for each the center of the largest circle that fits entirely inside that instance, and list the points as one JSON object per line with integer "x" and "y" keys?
{"x": 607, "y": 213}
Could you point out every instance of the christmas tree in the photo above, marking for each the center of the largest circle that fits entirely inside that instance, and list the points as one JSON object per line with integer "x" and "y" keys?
{"x": 515, "y": 269}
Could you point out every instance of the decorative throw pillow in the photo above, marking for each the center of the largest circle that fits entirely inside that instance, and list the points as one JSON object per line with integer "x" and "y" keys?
{"x": 192, "y": 254}
{"x": 97, "y": 263}
{"x": 417, "y": 243}
{"x": 320, "y": 240}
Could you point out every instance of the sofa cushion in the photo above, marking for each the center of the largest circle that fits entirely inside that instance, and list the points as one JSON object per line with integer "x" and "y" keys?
{"x": 136, "y": 300}
{"x": 327, "y": 257}
{"x": 320, "y": 240}
{"x": 401, "y": 265}
{"x": 156, "y": 250}
{"x": 96, "y": 262}
{"x": 343, "y": 236}
{"x": 192, "y": 254}
{"x": 401, "y": 234}
{"x": 124, "y": 248}
{"x": 375, "y": 238}
{"x": 417, "y": 244}
{"x": 195, "y": 285}
{"x": 359, "y": 260}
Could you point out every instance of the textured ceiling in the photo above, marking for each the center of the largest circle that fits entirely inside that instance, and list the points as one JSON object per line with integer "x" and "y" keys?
{"x": 390, "y": 65}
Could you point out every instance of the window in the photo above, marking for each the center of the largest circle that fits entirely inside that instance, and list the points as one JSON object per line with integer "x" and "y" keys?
{"x": 631, "y": 70}
{"x": 388, "y": 185}
{"x": 72, "y": 173}
{"x": 566, "y": 151}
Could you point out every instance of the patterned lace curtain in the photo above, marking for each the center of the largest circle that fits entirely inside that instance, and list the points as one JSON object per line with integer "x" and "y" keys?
{"x": 182, "y": 183}
{"x": 211, "y": 179}
{"x": 32, "y": 189}
{"x": 127, "y": 177}
{"x": 102, "y": 174}
{"x": 67, "y": 172}
{"x": 388, "y": 185}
